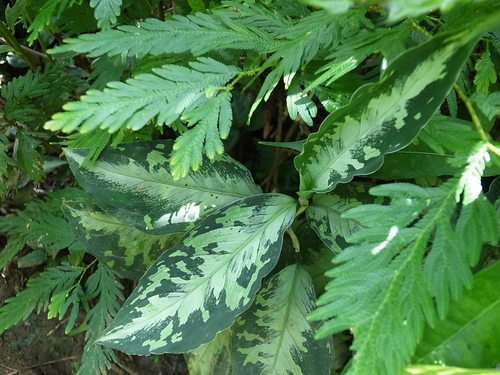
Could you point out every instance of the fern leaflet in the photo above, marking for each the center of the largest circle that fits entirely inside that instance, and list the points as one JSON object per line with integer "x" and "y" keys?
{"x": 37, "y": 294}
{"x": 196, "y": 93}
{"x": 384, "y": 287}
{"x": 106, "y": 11}
{"x": 103, "y": 285}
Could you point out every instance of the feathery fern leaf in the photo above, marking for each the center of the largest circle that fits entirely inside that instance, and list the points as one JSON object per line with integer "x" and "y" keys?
{"x": 106, "y": 11}
{"x": 488, "y": 104}
{"x": 37, "y": 294}
{"x": 384, "y": 287}
{"x": 235, "y": 27}
{"x": 173, "y": 91}
{"x": 50, "y": 9}
{"x": 485, "y": 72}
{"x": 41, "y": 223}
{"x": 102, "y": 284}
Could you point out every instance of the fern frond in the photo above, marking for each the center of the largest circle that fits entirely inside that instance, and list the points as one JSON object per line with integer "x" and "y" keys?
{"x": 44, "y": 15}
{"x": 103, "y": 285}
{"x": 37, "y": 294}
{"x": 173, "y": 91}
{"x": 409, "y": 262}
{"x": 40, "y": 224}
{"x": 106, "y": 11}
{"x": 235, "y": 27}
{"x": 485, "y": 72}
{"x": 488, "y": 104}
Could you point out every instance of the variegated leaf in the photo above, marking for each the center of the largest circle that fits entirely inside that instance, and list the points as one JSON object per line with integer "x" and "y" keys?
{"x": 324, "y": 216}
{"x": 273, "y": 337}
{"x": 384, "y": 117}
{"x": 203, "y": 283}
{"x": 133, "y": 182}
{"x": 212, "y": 358}
{"x": 121, "y": 247}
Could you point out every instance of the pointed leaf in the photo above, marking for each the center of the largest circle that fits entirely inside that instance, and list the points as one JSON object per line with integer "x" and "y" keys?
{"x": 125, "y": 249}
{"x": 470, "y": 334}
{"x": 384, "y": 117}
{"x": 274, "y": 337}
{"x": 199, "y": 287}
{"x": 324, "y": 216}
{"x": 133, "y": 183}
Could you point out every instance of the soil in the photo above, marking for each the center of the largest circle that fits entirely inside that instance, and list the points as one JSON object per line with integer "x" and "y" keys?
{"x": 38, "y": 346}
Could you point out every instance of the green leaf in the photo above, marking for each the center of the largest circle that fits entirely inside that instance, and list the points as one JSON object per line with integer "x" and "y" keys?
{"x": 37, "y": 294}
{"x": 125, "y": 249}
{"x": 199, "y": 287}
{"x": 212, "y": 358}
{"x": 470, "y": 334}
{"x": 106, "y": 11}
{"x": 488, "y": 104}
{"x": 324, "y": 215}
{"x": 384, "y": 117}
{"x": 274, "y": 337}
{"x": 442, "y": 370}
{"x": 34, "y": 258}
{"x": 134, "y": 184}
{"x": 410, "y": 260}
{"x": 485, "y": 73}
{"x": 104, "y": 285}
{"x": 4, "y": 159}
{"x": 28, "y": 157}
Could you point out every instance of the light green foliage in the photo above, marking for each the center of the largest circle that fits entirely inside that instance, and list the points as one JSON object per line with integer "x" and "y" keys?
{"x": 274, "y": 337}
{"x": 125, "y": 249}
{"x": 212, "y": 358}
{"x": 384, "y": 117}
{"x": 171, "y": 92}
{"x": 134, "y": 182}
{"x": 385, "y": 284}
{"x": 40, "y": 224}
{"x": 398, "y": 9}
{"x": 206, "y": 280}
{"x": 103, "y": 285}
{"x": 470, "y": 334}
{"x": 443, "y": 370}
{"x": 485, "y": 73}
{"x": 36, "y": 295}
{"x": 489, "y": 104}
{"x": 106, "y": 11}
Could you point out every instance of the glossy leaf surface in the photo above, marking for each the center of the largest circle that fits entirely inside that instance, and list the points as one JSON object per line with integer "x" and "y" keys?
{"x": 125, "y": 249}
{"x": 133, "y": 183}
{"x": 470, "y": 334}
{"x": 199, "y": 287}
{"x": 274, "y": 337}
{"x": 384, "y": 117}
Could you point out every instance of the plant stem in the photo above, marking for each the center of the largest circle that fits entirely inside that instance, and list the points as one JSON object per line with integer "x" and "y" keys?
{"x": 295, "y": 239}
{"x": 12, "y": 41}
{"x": 475, "y": 119}
{"x": 416, "y": 26}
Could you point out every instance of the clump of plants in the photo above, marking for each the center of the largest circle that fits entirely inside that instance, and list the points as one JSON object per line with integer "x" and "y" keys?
{"x": 268, "y": 187}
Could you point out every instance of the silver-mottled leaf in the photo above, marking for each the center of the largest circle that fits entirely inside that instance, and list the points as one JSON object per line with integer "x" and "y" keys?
{"x": 273, "y": 337}
{"x": 125, "y": 249}
{"x": 203, "y": 283}
{"x": 134, "y": 183}
{"x": 384, "y": 117}
{"x": 212, "y": 358}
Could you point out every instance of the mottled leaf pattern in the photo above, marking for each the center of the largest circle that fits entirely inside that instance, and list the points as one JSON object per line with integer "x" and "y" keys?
{"x": 202, "y": 284}
{"x": 444, "y": 370}
{"x": 133, "y": 182}
{"x": 324, "y": 216}
{"x": 212, "y": 358}
{"x": 384, "y": 117}
{"x": 274, "y": 337}
{"x": 125, "y": 249}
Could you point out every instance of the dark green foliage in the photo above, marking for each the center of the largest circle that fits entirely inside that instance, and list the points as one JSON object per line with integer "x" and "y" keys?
{"x": 179, "y": 110}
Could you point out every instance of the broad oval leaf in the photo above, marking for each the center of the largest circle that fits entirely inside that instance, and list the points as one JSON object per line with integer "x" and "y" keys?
{"x": 125, "y": 249}
{"x": 384, "y": 117}
{"x": 274, "y": 337}
{"x": 203, "y": 283}
{"x": 470, "y": 334}
{"x": 134, "y": 183}
{"x": 324, "y": 215}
